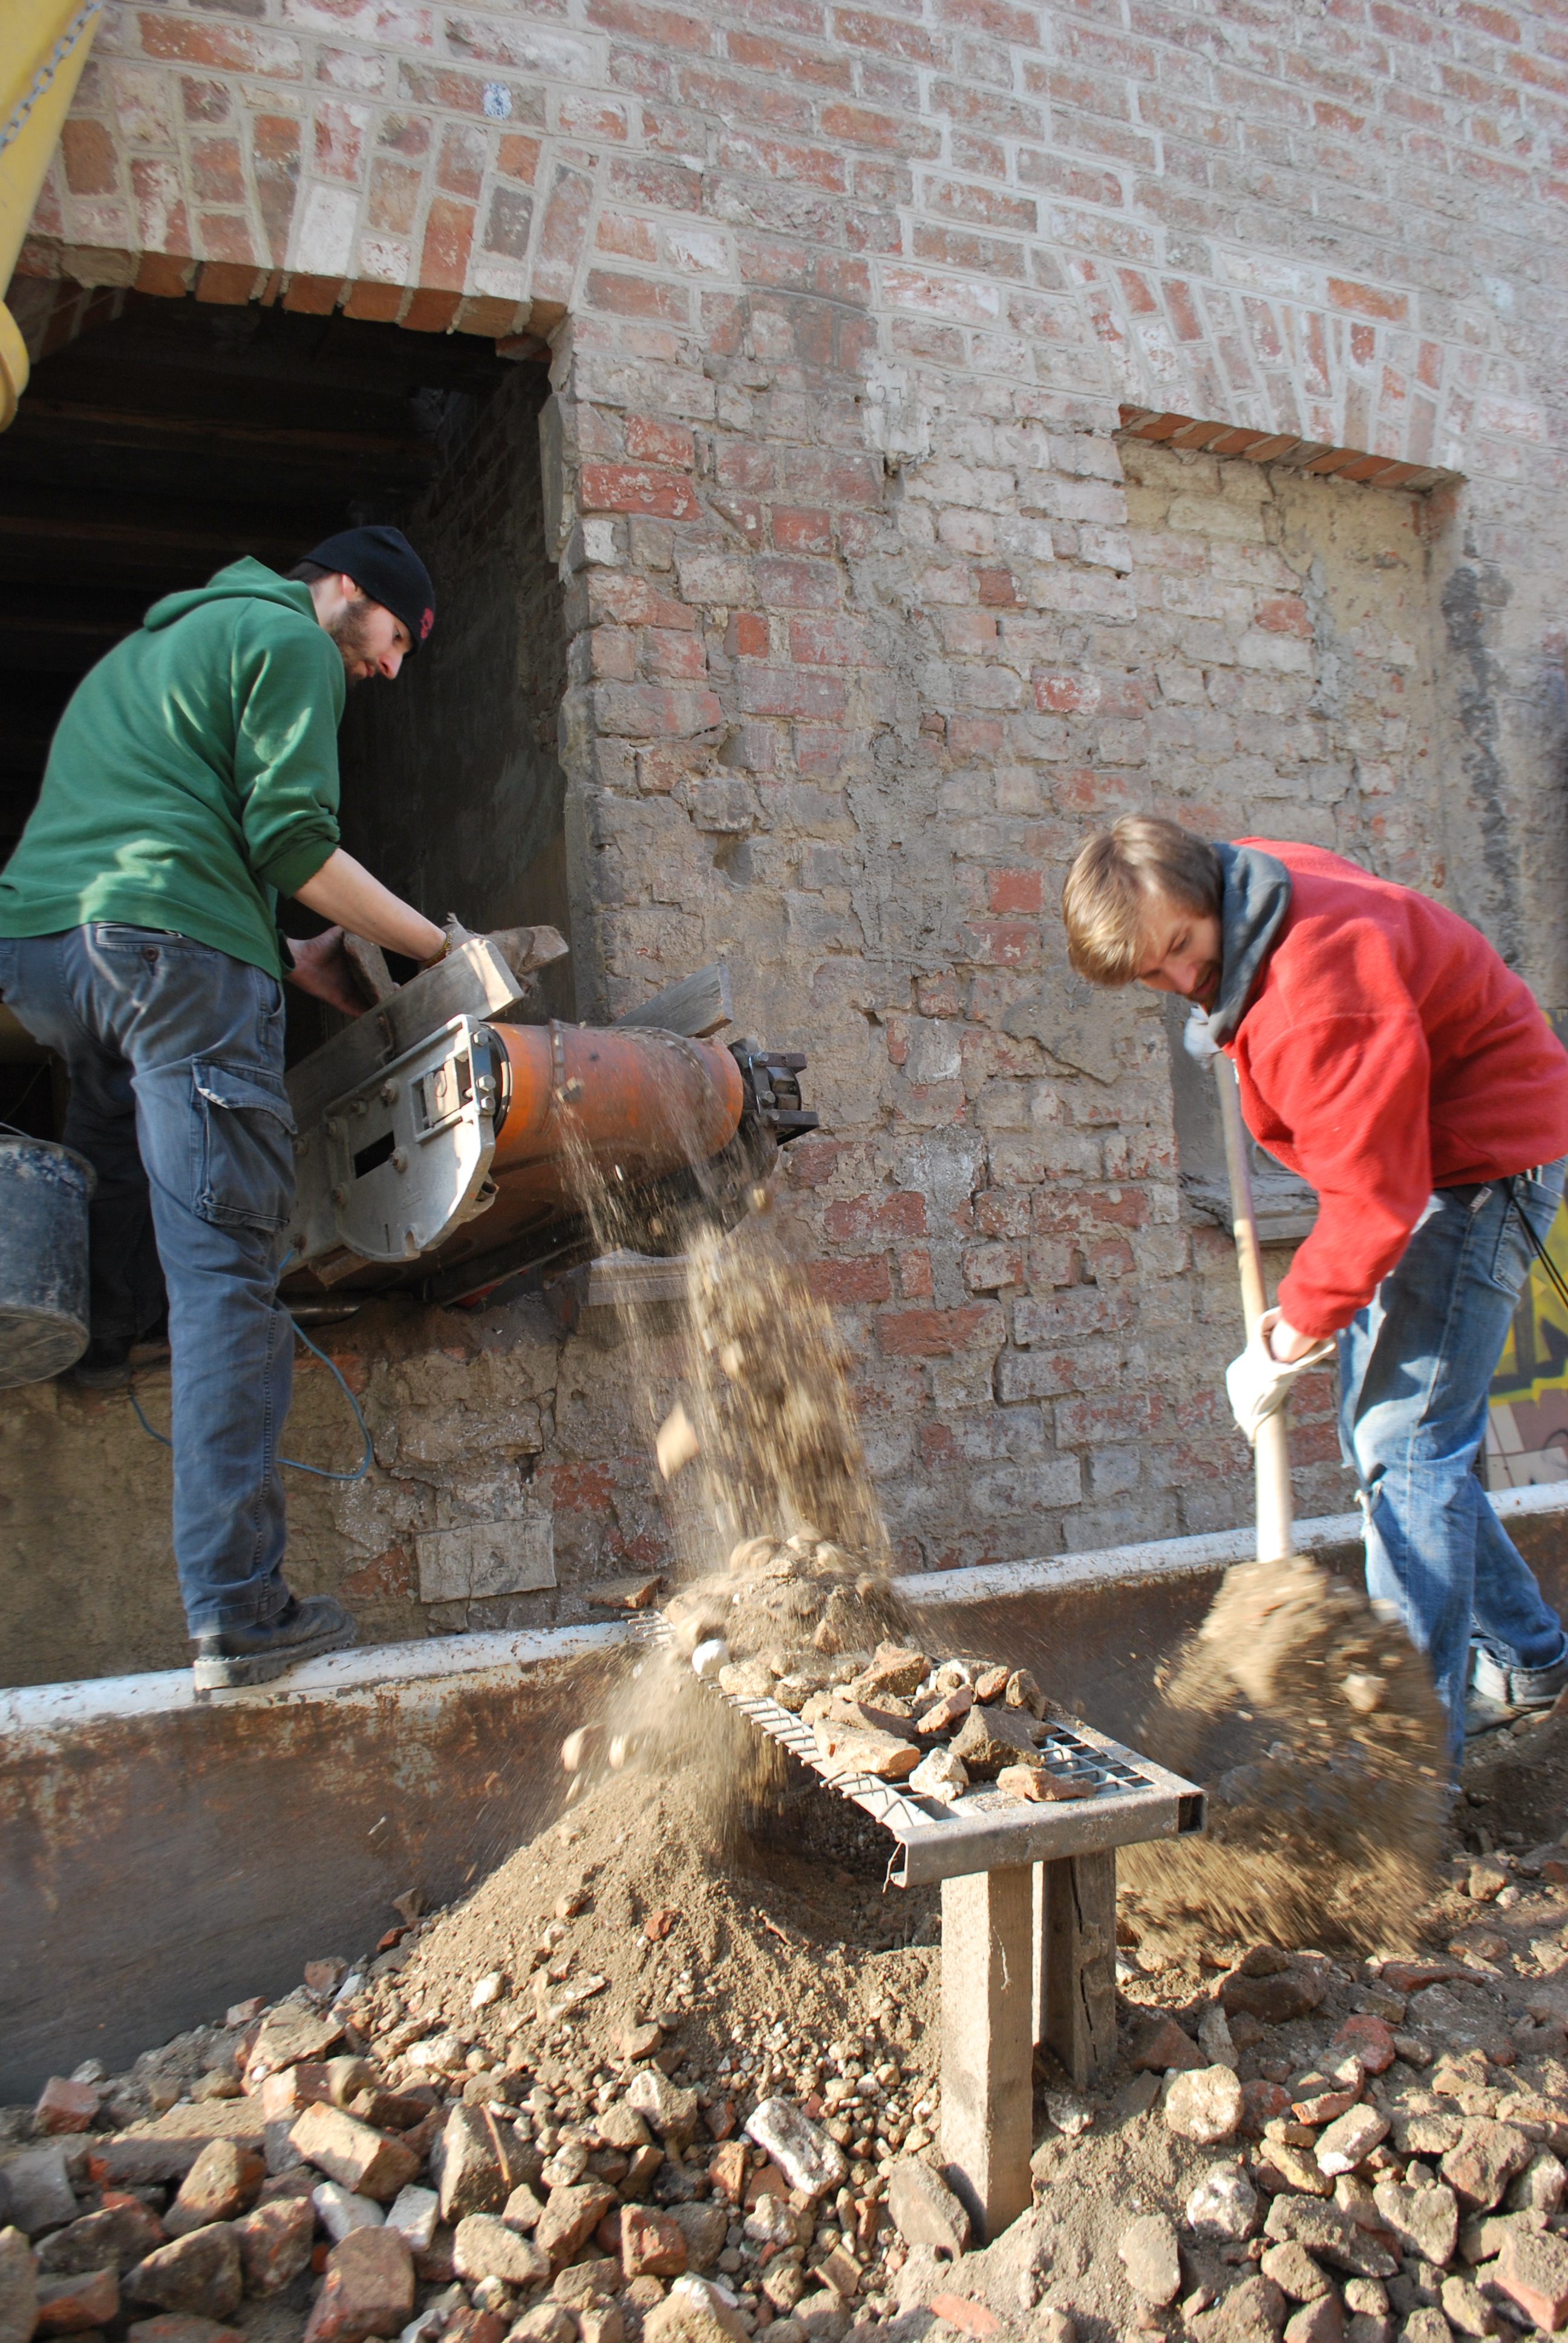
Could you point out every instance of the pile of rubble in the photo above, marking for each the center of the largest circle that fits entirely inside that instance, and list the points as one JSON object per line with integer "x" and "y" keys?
{"x": 735, "y": 2125}
{"x": 791, "y": 1622}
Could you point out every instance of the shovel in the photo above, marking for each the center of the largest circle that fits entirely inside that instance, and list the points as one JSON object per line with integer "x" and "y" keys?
{"x": 1272, "y": 1450}
{"x": 1310, "y": 1719}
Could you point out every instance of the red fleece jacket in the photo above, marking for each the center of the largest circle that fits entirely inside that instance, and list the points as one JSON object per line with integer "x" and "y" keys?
{"x": 1385, "y": 1052}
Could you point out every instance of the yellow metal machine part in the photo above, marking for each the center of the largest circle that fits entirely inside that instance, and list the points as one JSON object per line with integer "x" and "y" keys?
{"x": 44, "y": 45}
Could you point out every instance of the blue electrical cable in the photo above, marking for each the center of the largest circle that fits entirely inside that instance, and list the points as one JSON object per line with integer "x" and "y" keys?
{"x": 293, "y": 1462}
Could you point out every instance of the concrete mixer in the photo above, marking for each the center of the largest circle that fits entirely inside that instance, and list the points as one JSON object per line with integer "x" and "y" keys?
{"x": 441, "y": 1146}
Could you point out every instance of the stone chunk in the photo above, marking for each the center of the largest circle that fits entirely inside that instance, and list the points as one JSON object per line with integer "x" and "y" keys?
{"x": 200, "y": 2274}
{"x": 669, "y": 2110}
{"x": 350, "y": 2153}
{"x": 1272, "y": 2000}
{"x": 487, "y": 2246}
{"x": 64, "y": 2106}
{"x": 940, "y": 1775}
{"x": 1533, "y": 2271}
{"x": 570, "y": 2216}
{"x": 41, "y": 2196}
{"x": 76, "y": 2303}
{"x": 1330, "y": 2235}
{"x": 1368, "y": 2038}
{"x": 621, "y": 2125}
{"x": 895, "y": 1670}
{"x": 1148, "y": 2247}
{"x": 990, "y": 1738}
{"x": 291, "y": 2032}
{"x": 810, "y": 2161}
{"x": 1351, "y": 2138}
{"x": 687, "y": 2316}
{"x": 1223, "y": 2204}
{"x": 1426, "y": 2324}
{"x": 704, "y": 2227}
{"x": 18, "y": 2288}
{"x": 469, "y": 2165}
{"x": 1425, "y": 2221}
{"x": 169, "y": 2327}
{"x": 652, "y": 2244}
{"x": 1466, "y": 2308}
{"x": 1160, "y": 2044}
{"x": 368, "y": 2289}
{"x": 1294, "y": 2271}
{"x": 1319, "y": 2321}
{"x": 1485, "y": 2160}
{"x": 1253, "y": 2312}
{"x": 1205, "y": 2105}
{"x": 275, "y": 2243}
{"x": 547, "y": 2322}
{"x": 339, "y": 2210}
{"x": 923, "y": 2209}
{"x": 118, "y": 2236}
{"x": 223, "y": 2181}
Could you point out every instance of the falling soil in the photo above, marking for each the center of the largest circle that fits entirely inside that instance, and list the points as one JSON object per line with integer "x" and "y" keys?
{"x": 1313, "y": 1726}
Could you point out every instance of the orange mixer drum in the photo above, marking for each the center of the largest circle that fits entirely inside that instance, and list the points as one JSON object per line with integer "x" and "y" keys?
{"x": 642, "y": 1103}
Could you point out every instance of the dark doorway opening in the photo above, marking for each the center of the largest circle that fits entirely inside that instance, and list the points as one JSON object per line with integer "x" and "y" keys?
{"x": 177, "y": 435}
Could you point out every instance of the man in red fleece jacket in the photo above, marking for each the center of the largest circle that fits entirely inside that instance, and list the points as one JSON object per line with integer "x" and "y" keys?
{"x": 1385, "y": 1054}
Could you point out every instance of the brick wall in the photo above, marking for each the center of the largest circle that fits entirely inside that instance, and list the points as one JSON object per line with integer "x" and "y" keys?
{"x": 890, "y": 562}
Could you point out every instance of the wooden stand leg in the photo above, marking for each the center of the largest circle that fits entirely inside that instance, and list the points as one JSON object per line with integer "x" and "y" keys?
{"x": 1075, "y": 1945}
{"x": 987, "y": 2089}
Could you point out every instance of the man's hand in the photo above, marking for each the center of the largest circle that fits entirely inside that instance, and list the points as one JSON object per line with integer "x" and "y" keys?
{"x": 323, "y": 970}
{"x": 1258, "y": 1383}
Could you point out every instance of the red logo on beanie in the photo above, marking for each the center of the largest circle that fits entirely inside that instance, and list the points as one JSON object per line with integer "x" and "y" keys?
{"x": 426, "y": 623}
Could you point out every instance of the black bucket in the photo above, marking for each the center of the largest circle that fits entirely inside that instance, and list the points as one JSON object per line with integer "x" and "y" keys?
{"x": 44, "y": 1193}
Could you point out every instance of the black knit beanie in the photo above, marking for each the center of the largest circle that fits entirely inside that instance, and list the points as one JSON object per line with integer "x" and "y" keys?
{"x": 383, "y": 565}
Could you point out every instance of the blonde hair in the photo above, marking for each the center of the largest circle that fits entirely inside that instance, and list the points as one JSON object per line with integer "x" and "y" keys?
{"x": 1113, "y": 873}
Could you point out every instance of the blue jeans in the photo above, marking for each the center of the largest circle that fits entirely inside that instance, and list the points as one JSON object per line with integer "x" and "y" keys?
{"x": 174, "y": 1054}
{"x": 1415, "y": 1368}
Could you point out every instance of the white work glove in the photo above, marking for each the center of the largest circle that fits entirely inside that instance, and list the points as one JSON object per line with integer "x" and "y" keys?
{"x": 1196, "y": 1037}
{"x": 1258, "y": 1383}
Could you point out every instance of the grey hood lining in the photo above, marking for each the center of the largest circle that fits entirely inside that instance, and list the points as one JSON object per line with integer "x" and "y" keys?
{"x": 1257, "y": 896}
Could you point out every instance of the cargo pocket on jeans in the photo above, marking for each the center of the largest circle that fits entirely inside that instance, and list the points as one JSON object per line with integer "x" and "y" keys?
{"x": 244, "y": 1147}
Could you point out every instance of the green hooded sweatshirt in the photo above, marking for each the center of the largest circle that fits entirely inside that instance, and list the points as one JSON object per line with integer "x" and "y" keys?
{"x": 193, "y": 778}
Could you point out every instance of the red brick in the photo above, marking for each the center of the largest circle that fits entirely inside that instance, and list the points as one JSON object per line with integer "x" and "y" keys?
{"x": 78, "y": 2304}
{"x": 64, "y": 2106}
{"x": 1014, "y": 891}
{"x": 430, "y": 313}
{"x": 227, "y": 48}
{"x": 997, "y": 589}
{"x": 649, "y": 440}
{"x": 861, "y": 29}
{"x": 938, "y": 1333}
{"x": 638, "y": 296}
{"x": 892, "y": 134}
{"x": 902, "y": 1214}
{"x": 751, "y": 155}
{"x": 917, "y": 1281}
{"x": 1368, "y": 300}
{"x": 802, "y": 529}
{"x": 218, "y": 170}
{"x": 449, "y": 239}
{"x": 782, "y": 691}
{"x": 789, "y": 583}
{"x": 562, "y": 231}
{"x": 748, "y": 636}
{"x": 760, "y": 53}
{"x": 1285, "y": 614}
{"x": 461, "y": 164}
{"x": 648, "y": 712}
{"x": 848, "y": 1281}
{"x": 666, "y": 28}
{"x": 88, "y": 148}
{"x": 827, "y": 641}
{"x": 637, "y": 489}
{"x": 678, "y": 656}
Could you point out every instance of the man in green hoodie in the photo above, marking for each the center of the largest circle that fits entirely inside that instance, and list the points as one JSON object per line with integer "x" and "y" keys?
{"x": 192, "y": 780}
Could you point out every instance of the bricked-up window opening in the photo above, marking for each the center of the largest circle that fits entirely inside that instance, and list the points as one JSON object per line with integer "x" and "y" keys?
{"x": 452, "y": 788}
{"x": 170, "y": 440}
{"x": 1288, "y": 631}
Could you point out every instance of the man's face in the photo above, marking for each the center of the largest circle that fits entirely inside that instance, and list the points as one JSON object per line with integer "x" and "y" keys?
{"x": 1179, "y": 952}
{"x": 371, "y": 640}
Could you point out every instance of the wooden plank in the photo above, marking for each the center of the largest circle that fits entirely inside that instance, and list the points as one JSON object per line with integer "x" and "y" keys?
{"x": 987, "y": 2072}
{"x": 1075, "y": 1955}
{"x": 695, "y": 1006}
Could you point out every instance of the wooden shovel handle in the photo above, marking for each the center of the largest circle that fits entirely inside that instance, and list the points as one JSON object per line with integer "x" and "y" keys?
{"x": 1272, "y": 1450}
